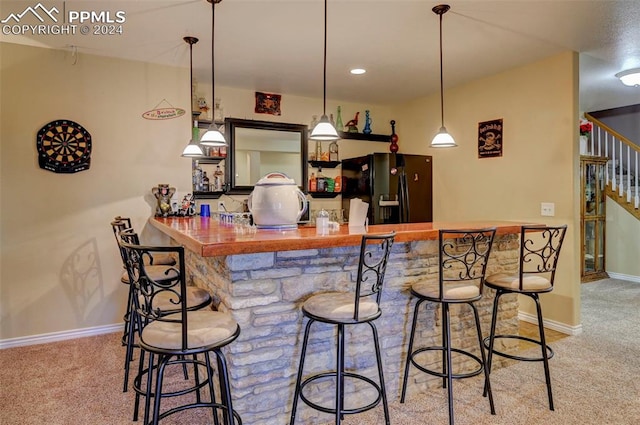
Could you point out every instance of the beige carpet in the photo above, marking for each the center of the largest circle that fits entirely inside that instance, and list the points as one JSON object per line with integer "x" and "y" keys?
{"x": 595, "y": 379}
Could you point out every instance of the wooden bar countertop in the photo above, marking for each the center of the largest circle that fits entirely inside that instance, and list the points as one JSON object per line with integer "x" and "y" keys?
{"x": 209, "y": 238}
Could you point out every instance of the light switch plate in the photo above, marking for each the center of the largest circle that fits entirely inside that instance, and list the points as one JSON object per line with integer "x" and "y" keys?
{"x": 547, "y": 209}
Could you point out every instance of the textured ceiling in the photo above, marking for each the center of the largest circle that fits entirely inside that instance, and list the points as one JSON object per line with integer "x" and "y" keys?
{"x": 277, "y": 45}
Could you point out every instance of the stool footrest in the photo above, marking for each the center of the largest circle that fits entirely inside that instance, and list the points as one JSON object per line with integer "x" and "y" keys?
{"x": 444, "y": 374}
{"x": 513, "y": 356}
{"x": 325, "y": 409}
{"x": 236, "y": 416}
{"x": 142, "y": 378}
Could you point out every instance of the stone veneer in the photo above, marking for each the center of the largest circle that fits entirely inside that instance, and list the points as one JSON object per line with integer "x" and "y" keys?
{"x": 264, "y": 292}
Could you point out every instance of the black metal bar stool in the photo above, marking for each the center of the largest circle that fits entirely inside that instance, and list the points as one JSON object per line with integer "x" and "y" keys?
{"x": 119, "y": 225}
{"x": 344, "y": 309}
{"x": 463, "y": 257}
{"x": 196, "y": 298}
{"x": 176, "y": 337}
{"x": 539, "y": 252}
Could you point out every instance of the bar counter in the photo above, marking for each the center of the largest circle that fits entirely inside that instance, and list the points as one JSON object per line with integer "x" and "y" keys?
{"x": 210, "y": 238}
{"x": 263, "y": 277}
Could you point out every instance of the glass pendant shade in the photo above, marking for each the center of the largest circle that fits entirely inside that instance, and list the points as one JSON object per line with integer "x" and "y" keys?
{"x": 324, "y": 131}
{"x": 443, "y": 139}
{"x": 213, "y": 137}
{"x": 192, "y": 149}
{"x": 630, "y": 77}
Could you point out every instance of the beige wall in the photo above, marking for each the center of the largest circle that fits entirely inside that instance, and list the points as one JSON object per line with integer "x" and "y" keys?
{"x": 622, "y": 242}
{"x": 539, "y": 106}
{"x": 59, "y": 266}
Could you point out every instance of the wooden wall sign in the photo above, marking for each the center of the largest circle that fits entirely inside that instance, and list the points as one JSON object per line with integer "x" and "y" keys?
{"x": 490, "y": 139}
{"x": 166, "y": 113}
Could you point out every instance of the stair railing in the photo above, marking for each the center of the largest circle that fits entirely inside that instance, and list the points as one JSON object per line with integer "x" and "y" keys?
{"x": 623, "y": 154}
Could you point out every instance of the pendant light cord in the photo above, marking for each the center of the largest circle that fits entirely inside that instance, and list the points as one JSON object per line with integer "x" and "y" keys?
{"x": 213, "y": 45}
{"x": 324, "y": 80}
{"x": 441, "y": 79}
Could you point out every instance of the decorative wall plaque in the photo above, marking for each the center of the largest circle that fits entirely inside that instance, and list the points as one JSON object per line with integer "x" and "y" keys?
{"x": 490, "y": 139}
{"x": 268, "y": 103}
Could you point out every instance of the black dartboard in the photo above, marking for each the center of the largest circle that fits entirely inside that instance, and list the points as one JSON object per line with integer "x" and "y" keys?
{"x": 64, "y": 146}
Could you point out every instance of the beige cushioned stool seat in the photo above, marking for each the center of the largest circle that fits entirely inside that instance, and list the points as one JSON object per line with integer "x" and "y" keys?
{"x": 205, "y": 328}
{"x": 452, "y": 291}
{"x": 339, "y": 306}
{"x": 530, "y": 282}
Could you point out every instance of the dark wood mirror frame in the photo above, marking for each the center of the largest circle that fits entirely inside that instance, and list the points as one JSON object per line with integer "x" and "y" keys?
{"x": 231, "y": 127}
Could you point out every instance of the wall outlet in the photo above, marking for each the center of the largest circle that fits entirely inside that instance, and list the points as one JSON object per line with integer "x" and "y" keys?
{"x": 547, "y": 209}
{"x": 221, "y": 206}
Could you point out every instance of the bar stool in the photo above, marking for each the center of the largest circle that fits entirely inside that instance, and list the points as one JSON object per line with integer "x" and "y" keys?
{"x": 362, "y": 305}
{"x": 120, "y": 224}
{"x": 462, "y": 262}
{"x": 539, "y": 252}
{"x": 177, "y": 336}
{"x": 196, "y": 298}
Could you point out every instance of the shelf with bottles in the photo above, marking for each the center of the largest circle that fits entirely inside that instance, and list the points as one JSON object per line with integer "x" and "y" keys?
{"x": 208, "y": 182}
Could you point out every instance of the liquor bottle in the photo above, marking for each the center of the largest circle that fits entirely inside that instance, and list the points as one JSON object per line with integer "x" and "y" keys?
{"x": 205, "y": 182}
{"x": 218, "y": 178}
{"x": 339, "y": 125}
{"x": 318, "y": 150}
{"x": 321, "y": 182}
{"x": 197, "y": 177}
{"x": 313, "y": 187}
{"x": 333, "y": 151}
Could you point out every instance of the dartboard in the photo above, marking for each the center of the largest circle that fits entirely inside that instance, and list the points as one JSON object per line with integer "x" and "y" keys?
{"x": 64, "y": 146}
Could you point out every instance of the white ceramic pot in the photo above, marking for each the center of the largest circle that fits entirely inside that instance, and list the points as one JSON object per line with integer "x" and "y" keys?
{"x": 276, "y": 202}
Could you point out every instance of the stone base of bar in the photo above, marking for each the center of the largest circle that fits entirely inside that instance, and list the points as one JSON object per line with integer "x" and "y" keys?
{"x": 264, "y": 292}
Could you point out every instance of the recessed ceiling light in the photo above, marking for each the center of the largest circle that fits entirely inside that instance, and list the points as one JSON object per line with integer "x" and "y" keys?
{"x": 630, "y": 77}
{"x": 358, "y": 71}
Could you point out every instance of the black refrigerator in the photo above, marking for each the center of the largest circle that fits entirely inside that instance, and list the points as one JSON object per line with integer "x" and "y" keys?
{"x": 397, "y": 187}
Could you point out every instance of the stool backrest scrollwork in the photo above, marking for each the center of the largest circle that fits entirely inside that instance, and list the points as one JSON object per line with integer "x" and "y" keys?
{"x": 463, "y": 256}
{"x": 539, "y": 251}
{"x": 150, "y": 292}
{"x": 372, "y": 266}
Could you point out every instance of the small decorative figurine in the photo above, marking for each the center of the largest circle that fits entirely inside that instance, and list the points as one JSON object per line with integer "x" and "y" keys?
{"x": 352, "y": 125}
{"x": 339, "y": 125}
{"x": 367, "y": 123}
{"x": 204, "y": 108}
{"x": 188, "y": 206}
{"x": 393, "y": 147}
{"x": 163, "y": 194}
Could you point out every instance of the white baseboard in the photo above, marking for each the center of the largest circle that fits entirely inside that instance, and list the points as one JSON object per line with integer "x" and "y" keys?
{"x": 551, "y": 324}
{"x": 59, "y": 336}
{"x": 621, "y": 276}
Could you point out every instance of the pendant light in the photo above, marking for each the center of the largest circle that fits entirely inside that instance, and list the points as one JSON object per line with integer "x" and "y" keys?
{"x": 213, "y": 137}
{"x": 193, "y": 148}
{"x": 324, "y": 130}
{"x": 443, "y": 139}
